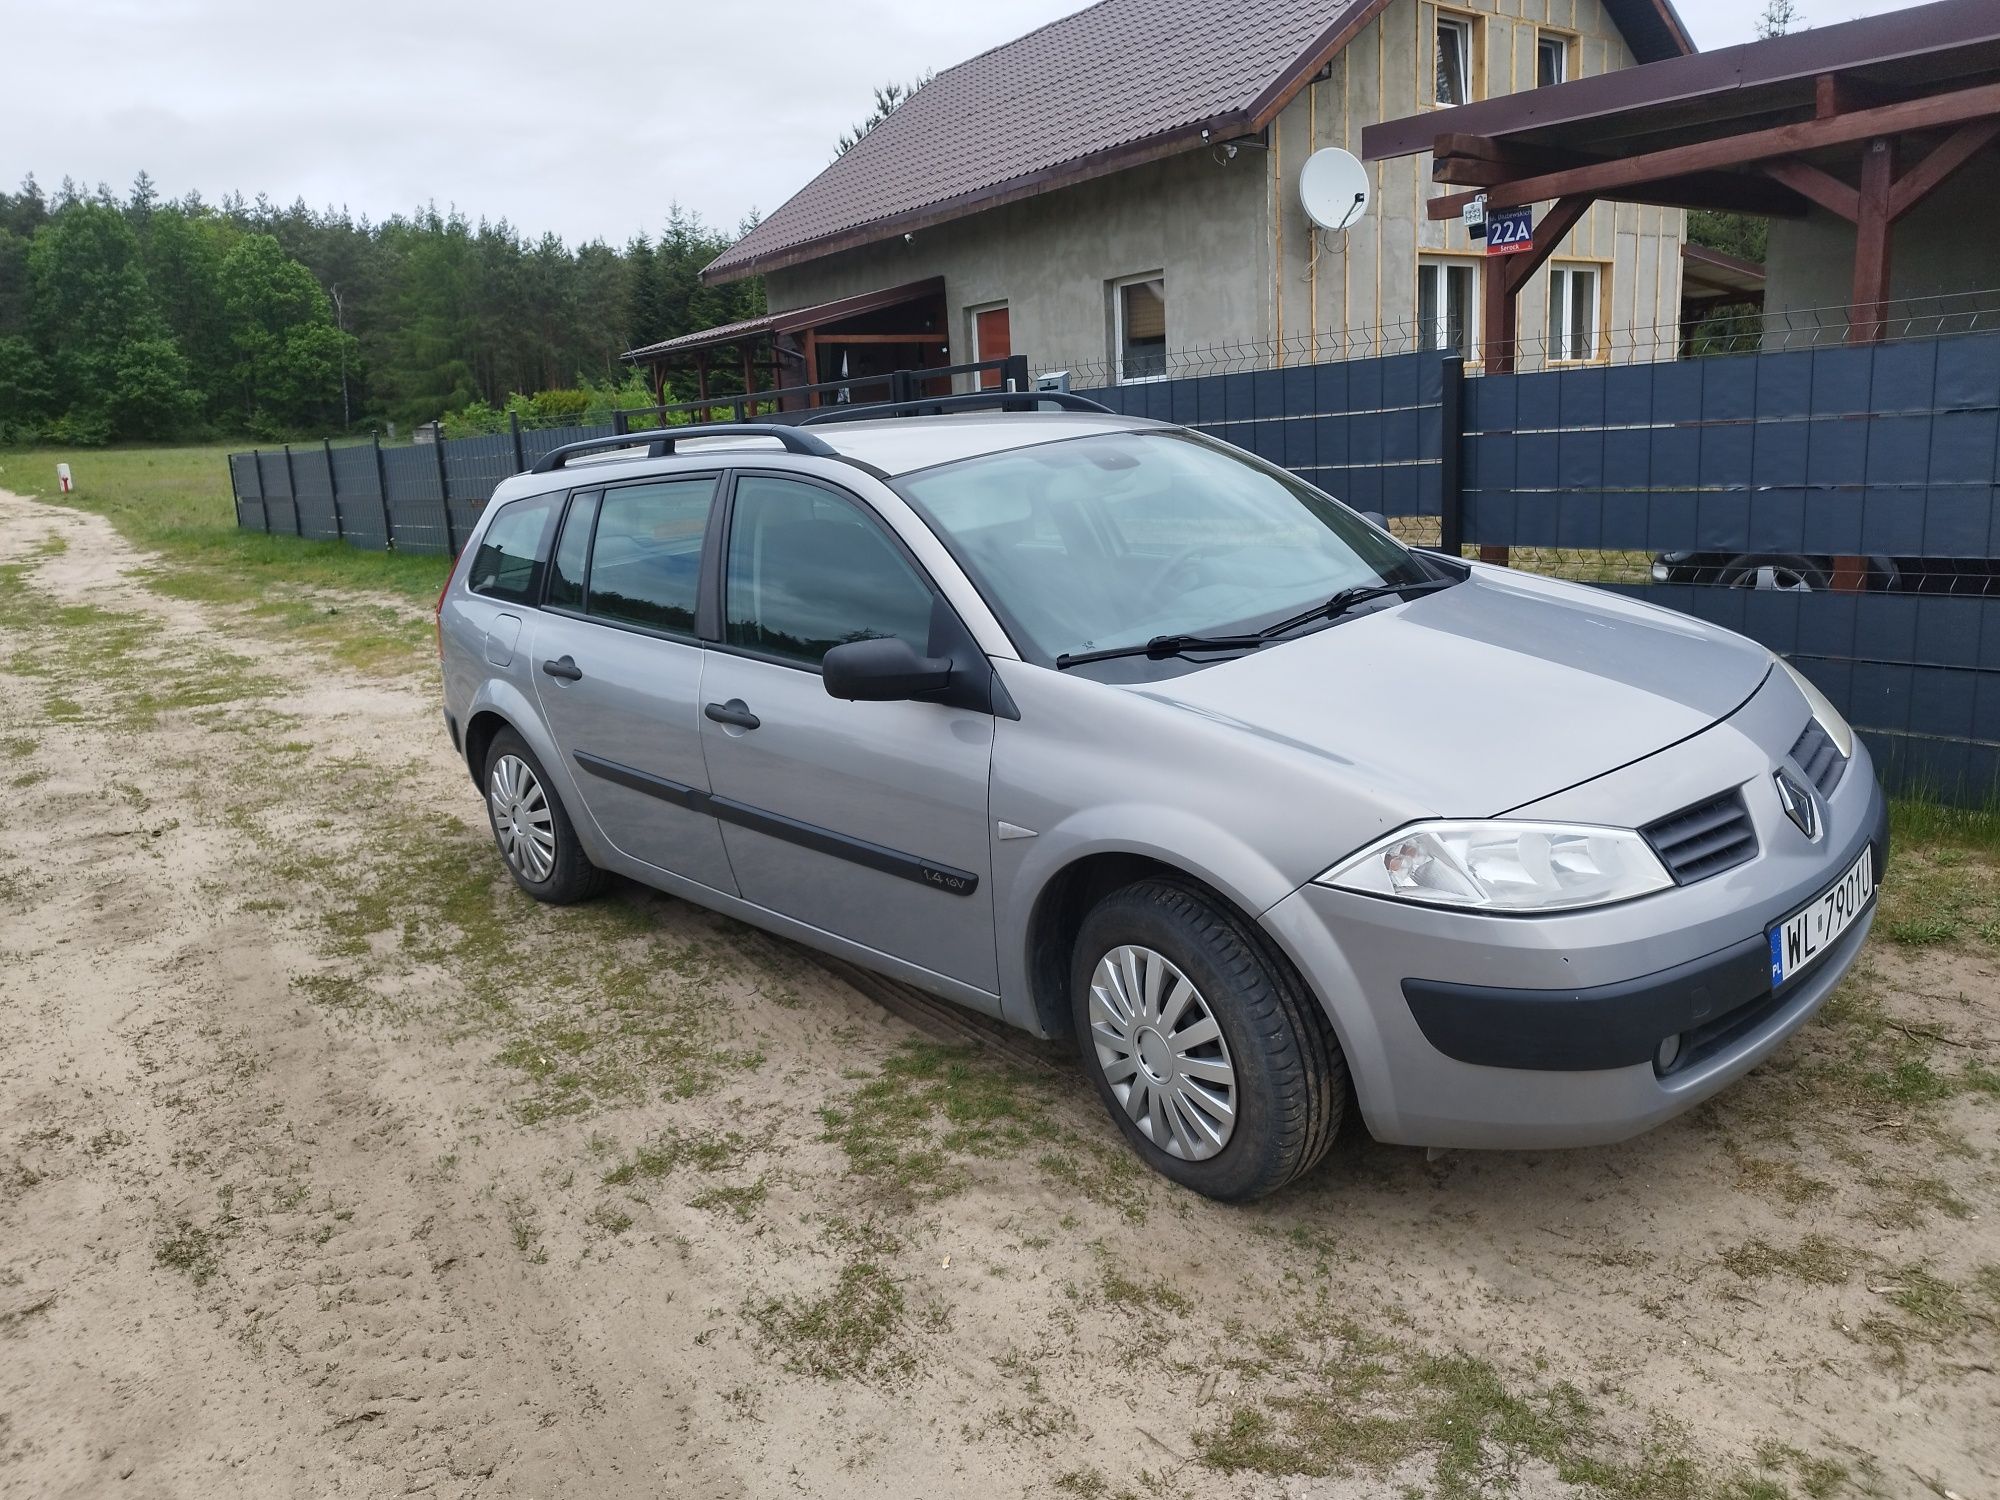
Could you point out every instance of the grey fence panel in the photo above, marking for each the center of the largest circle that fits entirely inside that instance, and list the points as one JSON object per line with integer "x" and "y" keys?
{"x": 317, "y": 518}
{"x": 358, "y": 484}
{"x": 541, "y": 440}
{"x": 275, "y": 485}
{"x": 1887, "y": 450}
{"x": 474, "y": 467}
{"x": 1918, "y": 676}
{"x": 416, "y": 502}
{"x": 1370, "y": 431}
{"x": 248, "y": 490}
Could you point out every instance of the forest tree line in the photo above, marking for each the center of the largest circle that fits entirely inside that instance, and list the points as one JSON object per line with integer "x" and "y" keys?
{"x": 140, "y": 317}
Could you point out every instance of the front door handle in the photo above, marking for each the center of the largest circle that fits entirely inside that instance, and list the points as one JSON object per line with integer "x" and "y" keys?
{"x": 735, "y": 712}
{"x": 564, "y": 667}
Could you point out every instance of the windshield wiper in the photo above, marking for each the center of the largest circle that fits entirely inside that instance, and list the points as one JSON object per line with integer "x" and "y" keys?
{"x": 1160, "y": 647}
{"x": 1346, "y": 599}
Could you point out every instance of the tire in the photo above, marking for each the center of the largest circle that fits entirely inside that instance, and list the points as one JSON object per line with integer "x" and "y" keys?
{"x": 1288, "y": 1081}
{"x": 1797, "y": 575}
{"x": 531, "y": 828}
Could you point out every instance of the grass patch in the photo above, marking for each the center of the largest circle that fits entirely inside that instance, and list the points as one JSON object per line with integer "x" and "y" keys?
{"x": 741, "y": 1202}
{"x": 191, "y": 1249}
{"x": 176, "y": 502}
{"x": 705, "y": 1151}
{"x": 928, "y": 1110}
{"x": 1371, "y": 1405}
{"x": 1816, "y": 1260}
{"x": 860, "y": 1329}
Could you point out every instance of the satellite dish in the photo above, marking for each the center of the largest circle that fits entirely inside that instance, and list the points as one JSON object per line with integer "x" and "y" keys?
{"x": 1333, "y": 188}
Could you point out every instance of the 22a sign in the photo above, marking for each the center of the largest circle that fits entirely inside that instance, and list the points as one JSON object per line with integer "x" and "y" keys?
{"x": 1509, "y": 231}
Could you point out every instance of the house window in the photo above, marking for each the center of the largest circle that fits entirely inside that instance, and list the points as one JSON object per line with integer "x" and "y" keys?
{"x": 1575, "y": 303}
{"x": 1139, "y": 334}
{"x": 1447, "y": 296}
{"x": 1551, "y": 60}
{"x": 1454, "y": 60}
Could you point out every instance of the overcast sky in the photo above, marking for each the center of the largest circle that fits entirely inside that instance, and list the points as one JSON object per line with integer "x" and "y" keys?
{"x": 586, "y": 118}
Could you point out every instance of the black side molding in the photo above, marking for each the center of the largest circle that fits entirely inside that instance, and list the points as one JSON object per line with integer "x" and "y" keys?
{"x": 942, "y": 877}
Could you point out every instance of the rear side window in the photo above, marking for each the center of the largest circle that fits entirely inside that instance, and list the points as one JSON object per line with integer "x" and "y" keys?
{"x": 645, "y": 564}
{"x": 572, "y": 550}
{"x": 508, "y": 564}
{"x": 808, "y": 571}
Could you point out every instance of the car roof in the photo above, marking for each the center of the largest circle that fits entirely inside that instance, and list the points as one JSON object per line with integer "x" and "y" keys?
{"x": 901, "y": 445}
{"x": 887, "y": 445}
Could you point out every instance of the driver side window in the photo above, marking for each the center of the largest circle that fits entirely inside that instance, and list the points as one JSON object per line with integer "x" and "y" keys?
{"x": 808, "y": 571}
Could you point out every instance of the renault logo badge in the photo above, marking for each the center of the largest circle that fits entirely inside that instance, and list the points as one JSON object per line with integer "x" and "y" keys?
{"x": 1798, "y": 803}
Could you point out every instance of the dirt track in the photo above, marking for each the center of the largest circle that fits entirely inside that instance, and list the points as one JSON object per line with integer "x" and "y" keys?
{"x": 330, "y": 1165}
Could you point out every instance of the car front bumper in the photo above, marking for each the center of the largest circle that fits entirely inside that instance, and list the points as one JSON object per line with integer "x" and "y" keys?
{"x": 1463, "y": 1030}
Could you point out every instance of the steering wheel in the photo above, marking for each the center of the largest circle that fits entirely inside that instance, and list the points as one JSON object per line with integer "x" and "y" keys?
{"x": 1193, "y": 552}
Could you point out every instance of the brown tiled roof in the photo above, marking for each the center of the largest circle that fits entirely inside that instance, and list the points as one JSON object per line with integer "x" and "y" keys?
{"x": 1121, "y": 82}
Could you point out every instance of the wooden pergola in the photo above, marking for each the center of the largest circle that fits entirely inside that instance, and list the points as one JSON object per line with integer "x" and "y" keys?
{"x": 1864, "y": 120}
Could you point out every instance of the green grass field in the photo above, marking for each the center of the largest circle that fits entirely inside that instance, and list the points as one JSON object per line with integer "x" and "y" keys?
{"x": 176, "y": 502}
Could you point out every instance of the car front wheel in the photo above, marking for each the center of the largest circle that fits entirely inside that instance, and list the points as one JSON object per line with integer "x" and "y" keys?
{"x": 1205, "y": 1047}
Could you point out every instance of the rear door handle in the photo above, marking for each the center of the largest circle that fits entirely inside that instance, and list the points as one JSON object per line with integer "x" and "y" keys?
{"x": 735, "y": 712}
{"x": 564, "y": 667}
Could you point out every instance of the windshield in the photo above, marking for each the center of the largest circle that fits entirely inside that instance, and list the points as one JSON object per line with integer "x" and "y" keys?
{"x": 1111, "y": 540}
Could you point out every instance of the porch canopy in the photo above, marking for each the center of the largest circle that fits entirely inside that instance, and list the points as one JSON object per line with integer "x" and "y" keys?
{"x": 1864, "y": 119}
{"x": 895, "y": 328}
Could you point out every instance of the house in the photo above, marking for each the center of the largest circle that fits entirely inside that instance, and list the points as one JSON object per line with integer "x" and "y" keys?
{"x": 1116, "y": 195}
{"x": 1873, "y": 146}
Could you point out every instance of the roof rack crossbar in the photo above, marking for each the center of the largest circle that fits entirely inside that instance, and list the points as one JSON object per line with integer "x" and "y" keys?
{"x": 977, "y": 401}
{"x": 660, "y": 442}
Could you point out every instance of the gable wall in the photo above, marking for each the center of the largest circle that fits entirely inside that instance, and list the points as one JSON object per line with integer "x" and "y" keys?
{"x": 1246, "y": 276}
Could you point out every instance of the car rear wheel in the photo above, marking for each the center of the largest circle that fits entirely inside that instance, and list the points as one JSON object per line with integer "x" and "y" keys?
{"x": 1204, "y": 1046}
{"x": 531, "y": 827}
{"x": 1790, "y": 575}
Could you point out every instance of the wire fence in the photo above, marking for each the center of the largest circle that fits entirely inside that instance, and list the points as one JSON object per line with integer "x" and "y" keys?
{"x": 1728, "y": 330}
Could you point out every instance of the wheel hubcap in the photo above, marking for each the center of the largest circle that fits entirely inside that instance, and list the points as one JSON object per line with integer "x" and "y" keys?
{"x": 521, "y": 818}
{"x": 1162, "y": 1053}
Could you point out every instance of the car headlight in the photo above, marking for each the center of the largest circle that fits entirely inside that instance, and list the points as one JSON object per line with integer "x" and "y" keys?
{"x": 1502, "y": 865}
{"x": 1829, "y": 717}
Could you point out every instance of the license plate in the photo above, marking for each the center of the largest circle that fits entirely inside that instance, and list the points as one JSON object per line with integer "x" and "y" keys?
{"x": 1804, "y": 936}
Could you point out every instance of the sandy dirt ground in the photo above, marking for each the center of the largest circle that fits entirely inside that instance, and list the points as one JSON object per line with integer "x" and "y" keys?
{"x": 329, "y": 1165}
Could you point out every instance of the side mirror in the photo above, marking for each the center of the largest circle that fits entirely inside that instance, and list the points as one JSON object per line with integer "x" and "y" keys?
{"x": 882, "y": 671}
{"x": 1377, "y": 517}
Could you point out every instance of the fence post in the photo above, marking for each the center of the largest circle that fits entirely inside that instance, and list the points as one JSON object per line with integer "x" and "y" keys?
{"x": 1451, "y": 442}
{"x": 292, "y": 494}
{"x": 444, "y": 492}
{"x": 620, "y": 425}
{"x": 263, "y": 504}
{"x": 382, "y": 493}
{"x": 1014, "y": 373}
{"x": 520, "y": 459}
{"x": 333, "y": 491}
{"x": 901, "y": 387}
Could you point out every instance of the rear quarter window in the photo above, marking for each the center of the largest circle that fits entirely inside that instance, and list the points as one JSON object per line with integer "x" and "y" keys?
{"x": 514, "y": 551}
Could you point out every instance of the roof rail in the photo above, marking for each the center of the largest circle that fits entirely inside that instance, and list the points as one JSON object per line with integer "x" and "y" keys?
{"x": 659, "y": 442}
{"x": 934, "y": 405}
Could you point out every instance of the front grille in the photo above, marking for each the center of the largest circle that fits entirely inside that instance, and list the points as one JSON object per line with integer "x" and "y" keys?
{"x": 1819, "y": 757}
{"x": 1705, "y": 839}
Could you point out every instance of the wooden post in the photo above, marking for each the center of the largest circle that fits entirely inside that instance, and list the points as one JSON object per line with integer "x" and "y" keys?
{"x": 1867, "y": 315}
{"x": 701, "y": 383}
{"x": 749, "y": 378}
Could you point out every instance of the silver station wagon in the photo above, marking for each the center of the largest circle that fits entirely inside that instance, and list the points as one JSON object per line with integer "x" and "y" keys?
{"x": 1120, "y": 734}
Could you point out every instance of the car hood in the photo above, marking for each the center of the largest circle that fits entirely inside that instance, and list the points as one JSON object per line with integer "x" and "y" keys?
{"x": 1485, "y": 696}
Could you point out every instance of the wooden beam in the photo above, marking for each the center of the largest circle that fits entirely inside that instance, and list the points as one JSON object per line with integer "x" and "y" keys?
{"x": 1928, "y": 175}
{"x": 1823, "y": 188}
{"x": 1606, "y": 178}
{"x": 1872, "y": 235}
{"x": 1506, "y": 275}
